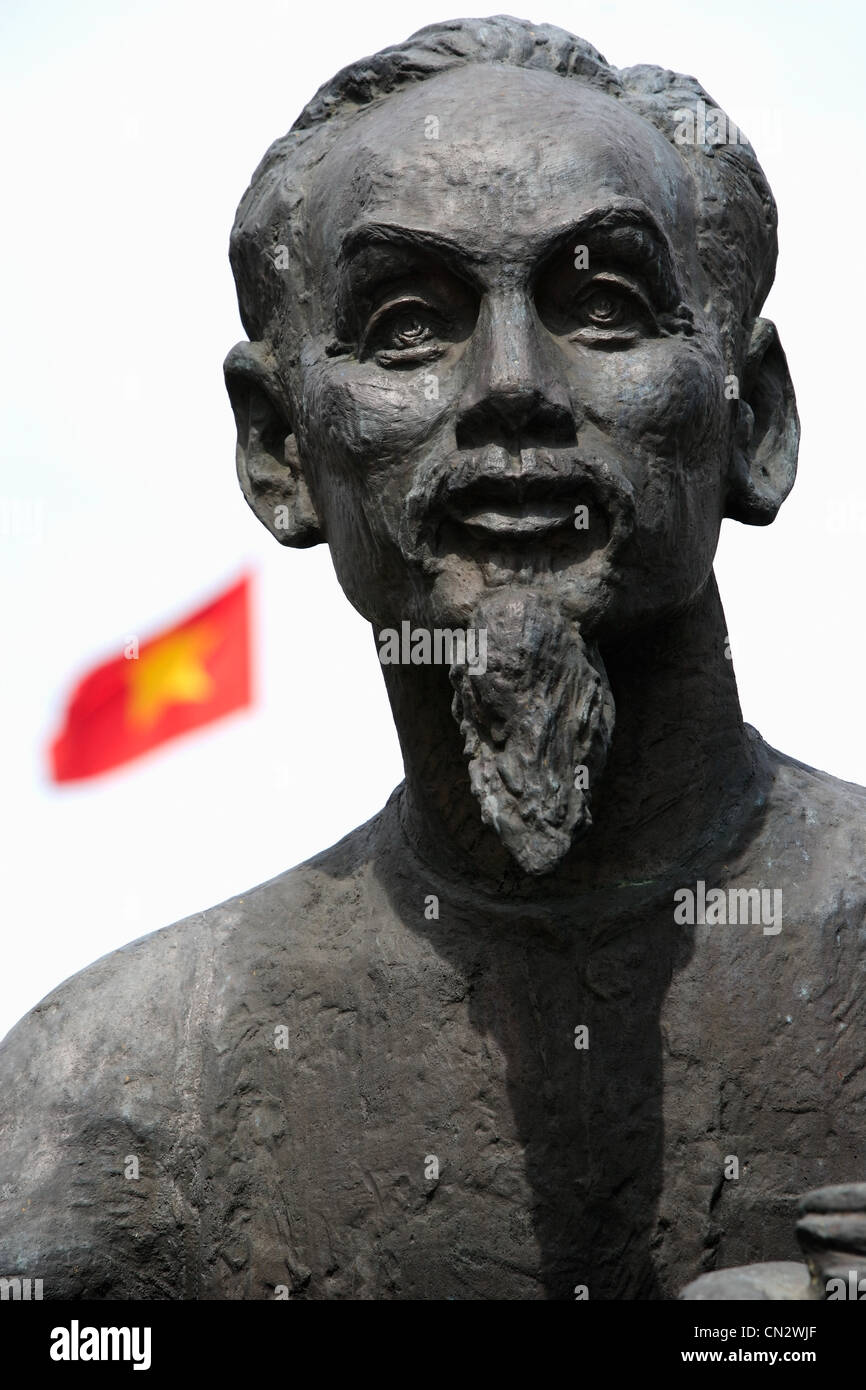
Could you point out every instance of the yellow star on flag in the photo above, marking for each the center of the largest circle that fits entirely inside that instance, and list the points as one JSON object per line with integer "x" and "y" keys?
{"x": 170, "y": 672}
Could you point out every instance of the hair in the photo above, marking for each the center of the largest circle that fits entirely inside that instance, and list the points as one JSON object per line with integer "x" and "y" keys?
{"x": 735, "y": 210}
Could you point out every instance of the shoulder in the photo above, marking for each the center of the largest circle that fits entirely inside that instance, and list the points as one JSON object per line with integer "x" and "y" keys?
{"x": 809, "y": 844}
{"x": 803, "y": 783}
{"x": 97, "y": 1087}
{"x": 823, "y": 816}
{"x": 149, "y": 993}
{"x": 113, "y": 1072}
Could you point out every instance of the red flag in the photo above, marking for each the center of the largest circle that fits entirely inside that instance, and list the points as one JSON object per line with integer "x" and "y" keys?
{"x": 188, "y": 675}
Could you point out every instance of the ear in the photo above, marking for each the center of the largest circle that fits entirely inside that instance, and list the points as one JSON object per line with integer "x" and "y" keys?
{"x": 767, "y": 438}
{"x": 268, "y": 465}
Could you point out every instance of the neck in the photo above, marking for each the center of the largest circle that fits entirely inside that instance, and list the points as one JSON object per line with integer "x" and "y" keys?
{"x": 677, "y": 772}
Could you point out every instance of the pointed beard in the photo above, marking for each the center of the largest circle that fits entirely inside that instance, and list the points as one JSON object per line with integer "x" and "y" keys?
{"x": 537, "y": 725}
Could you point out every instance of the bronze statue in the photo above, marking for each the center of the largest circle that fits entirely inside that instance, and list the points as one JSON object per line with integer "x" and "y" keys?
{"x": 579, "y": 1013}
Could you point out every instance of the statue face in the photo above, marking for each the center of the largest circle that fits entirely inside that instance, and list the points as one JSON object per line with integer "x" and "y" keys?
{"x": 505, "y": 374}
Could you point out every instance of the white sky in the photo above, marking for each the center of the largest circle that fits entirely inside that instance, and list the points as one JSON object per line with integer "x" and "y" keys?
{"x": 130, "y": 131}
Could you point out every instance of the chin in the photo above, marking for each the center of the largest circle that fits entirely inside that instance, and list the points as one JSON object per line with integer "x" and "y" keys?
{"x": 585, "y": 594}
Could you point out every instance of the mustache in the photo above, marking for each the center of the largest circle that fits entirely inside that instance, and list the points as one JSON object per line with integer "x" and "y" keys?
{"x": 468, "y": 477}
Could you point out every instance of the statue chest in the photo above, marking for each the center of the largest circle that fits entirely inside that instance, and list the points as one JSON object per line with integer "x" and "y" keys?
{"x": 532, "y": 1127}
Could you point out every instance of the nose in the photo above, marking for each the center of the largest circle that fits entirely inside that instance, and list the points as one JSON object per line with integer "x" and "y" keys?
{"x": 514, "y": 395}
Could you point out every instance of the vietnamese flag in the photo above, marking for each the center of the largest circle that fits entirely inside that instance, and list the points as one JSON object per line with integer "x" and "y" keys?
{"x": 187, "y": 676}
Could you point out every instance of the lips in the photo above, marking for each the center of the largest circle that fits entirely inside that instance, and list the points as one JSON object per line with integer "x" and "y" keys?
{"x": 518, "y": 519}
{"x": 518, "y": 508}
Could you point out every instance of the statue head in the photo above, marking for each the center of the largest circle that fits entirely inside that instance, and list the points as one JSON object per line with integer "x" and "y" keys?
{"x": 506, "y": 358}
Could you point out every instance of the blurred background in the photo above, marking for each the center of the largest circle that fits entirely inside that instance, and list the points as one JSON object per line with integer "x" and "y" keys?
{"x": 130, "y": 130}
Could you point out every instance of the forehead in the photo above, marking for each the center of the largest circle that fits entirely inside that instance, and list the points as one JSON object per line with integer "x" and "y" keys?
{"x": 494, "y": 156}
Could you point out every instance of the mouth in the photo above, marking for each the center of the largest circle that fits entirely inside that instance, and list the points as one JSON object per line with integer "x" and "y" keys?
{"x": 561, "y": 511}
{"x": 517, "y": 519}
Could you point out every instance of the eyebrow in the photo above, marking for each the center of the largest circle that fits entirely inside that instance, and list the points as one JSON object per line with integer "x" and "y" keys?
{"x": 607, "y": 219}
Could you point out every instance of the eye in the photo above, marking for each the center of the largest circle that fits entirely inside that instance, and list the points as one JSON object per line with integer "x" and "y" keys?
{"x": 605, "y": 308}
{"x": 608, "y": 308}
{"x": 409, "y": 330}
{"x": 613, "y": 306}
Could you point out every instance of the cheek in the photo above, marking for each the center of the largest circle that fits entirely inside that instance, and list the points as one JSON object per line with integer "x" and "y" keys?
{"x": 665, "y": 400}
{"x": 360, "y": 433}
{"x": 666, "y": 411}
{"x": 362, "y": 419}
